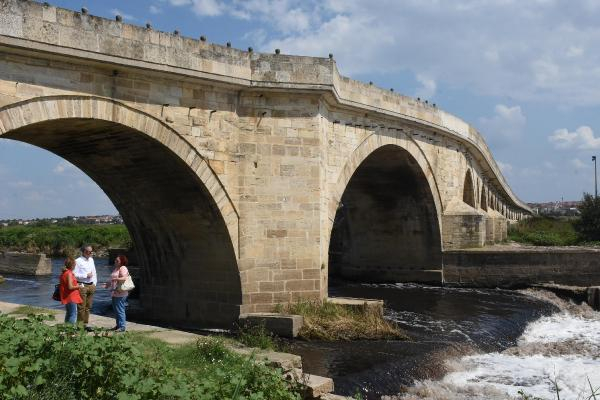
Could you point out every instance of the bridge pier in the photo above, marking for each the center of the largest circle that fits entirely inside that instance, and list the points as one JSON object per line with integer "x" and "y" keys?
{"x": 463, "y": 226}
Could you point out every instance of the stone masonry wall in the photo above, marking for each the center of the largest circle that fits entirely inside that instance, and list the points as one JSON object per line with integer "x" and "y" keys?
{"x": 519, "y": 268}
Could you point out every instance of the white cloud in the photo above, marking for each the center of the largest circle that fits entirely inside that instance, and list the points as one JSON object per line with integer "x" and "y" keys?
{"x": 428, "y": 87}
{"x": 537, "y": 50}
{"x": 548, "y": 165}
{"x": 581, "y": 139}
{"x": 34, "y": 197}
{"x": 575, "y": 51}
{"x": 209, "y": 8}
{"x": 505, "y": 168}
{"x": 21, "y": 184}
{"x": 178, "y": 3}
{"x": 506, "y": 124}
{"x": 128, "y": 17}
{"x": 154, "y": 9}
{"x": 64, "y": 167}
{"x": 578, "y": 164}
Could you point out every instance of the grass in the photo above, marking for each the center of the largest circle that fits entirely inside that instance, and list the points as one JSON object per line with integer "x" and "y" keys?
{"x": 545, "y": 231}
{"x": 329, "y": 321}
{"x": 32, "y": 310}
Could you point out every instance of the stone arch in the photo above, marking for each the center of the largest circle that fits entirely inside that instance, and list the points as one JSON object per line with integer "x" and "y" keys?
{"x": 387, "y": 228}
{"x": 155, "y": 163}
{"x": 368, "y": 146}
{"x": 468, "y": 190}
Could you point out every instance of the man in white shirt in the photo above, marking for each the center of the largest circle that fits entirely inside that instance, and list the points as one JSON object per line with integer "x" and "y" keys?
{"x": 85, "y": 272}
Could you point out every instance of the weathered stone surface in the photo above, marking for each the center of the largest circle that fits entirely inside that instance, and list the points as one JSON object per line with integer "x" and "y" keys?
{"x": 516, "y": 267}
{"x": 246, "y": 179}
{"x": 280, "y": 324}
{"x": 24, "y": 264}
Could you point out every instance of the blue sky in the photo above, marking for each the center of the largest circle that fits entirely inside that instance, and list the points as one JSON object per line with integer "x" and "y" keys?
{"x": 525, "y": 73}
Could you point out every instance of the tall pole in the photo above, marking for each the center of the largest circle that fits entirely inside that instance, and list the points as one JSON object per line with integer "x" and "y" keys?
{"x": 595, "y": 177}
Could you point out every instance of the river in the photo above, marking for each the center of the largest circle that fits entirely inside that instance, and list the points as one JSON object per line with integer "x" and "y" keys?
{"x": 465, "y": 343}
{"x": 37, "y": 290}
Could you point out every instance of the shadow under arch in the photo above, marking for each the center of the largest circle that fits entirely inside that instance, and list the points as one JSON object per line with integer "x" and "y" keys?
{"x": 387, "y": 223}
{"x": 182, "y": 223}
{"x": 469, "y": 190}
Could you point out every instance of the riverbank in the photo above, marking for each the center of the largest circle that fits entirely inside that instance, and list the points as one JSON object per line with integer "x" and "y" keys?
{"x": 200, "y": 366}
{"x": 63, "y": 240}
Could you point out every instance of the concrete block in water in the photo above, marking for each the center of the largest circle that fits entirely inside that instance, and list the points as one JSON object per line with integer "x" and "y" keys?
{"x": 25, "y": 263}
{"x": 279, "y": 324}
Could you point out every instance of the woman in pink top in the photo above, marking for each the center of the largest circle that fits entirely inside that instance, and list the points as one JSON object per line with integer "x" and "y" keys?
{"x": 69, "y": 291}
{"x": 119, "y": 297}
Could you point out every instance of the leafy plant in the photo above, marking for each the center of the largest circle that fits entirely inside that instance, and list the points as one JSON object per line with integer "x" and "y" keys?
{"x": 38, "y": 361}
{"x": 256, "y": 335}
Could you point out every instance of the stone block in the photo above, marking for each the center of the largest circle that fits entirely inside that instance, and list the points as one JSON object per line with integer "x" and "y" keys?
{"x": 279, "y": 324}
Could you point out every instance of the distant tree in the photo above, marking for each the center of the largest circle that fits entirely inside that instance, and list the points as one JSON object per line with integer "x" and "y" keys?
{"x": 588, "y": 226}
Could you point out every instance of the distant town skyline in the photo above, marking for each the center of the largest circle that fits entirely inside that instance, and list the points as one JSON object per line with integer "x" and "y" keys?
{"x": 523, "y": 73}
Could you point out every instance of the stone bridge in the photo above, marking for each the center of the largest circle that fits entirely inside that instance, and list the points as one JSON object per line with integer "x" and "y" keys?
{"x": 246, "y": 179}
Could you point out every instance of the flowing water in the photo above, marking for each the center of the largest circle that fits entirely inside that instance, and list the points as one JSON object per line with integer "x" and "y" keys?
{"x": 465, "y": 343}
{"x": 37, "y": 290}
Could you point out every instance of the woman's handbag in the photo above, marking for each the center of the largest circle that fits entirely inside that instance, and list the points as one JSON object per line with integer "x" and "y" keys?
{"x": 56, "y": 294}
{"x": 127, "y": 285}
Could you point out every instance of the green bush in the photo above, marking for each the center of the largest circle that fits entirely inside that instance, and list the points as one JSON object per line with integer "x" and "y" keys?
{"x": 38, "y": 361}
{"x": 62, "y": 240}
{"x": 588, "y": 225}
{"x": 545, "y": 231}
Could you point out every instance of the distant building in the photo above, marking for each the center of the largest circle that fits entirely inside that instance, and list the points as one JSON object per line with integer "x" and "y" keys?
{"x": 556, "y": 208}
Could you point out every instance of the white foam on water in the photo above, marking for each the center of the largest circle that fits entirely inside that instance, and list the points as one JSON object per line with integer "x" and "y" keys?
{"x": 562, "y": 327}
{"x": 563, "y": 347}
{"x": 532, "y": 374}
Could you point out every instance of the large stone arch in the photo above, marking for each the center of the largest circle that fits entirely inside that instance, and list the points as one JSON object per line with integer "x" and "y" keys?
{"x": 368, "y": 146}
{"x": 414, "y": 212}
{"x": 182, "y": 221}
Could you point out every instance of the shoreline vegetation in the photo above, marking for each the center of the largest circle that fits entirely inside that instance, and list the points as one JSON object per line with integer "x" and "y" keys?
{"x": 63, "y": 240}
{"x": 66, "y": 363}
{"x": 549, "y": 231}
{"x": 340, "y": 322}
{"x": 561, "y": 231}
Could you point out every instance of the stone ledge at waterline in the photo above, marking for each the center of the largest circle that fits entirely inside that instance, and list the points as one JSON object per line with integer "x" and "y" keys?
{"x": 520, "y": 266}
{"x": 24, "y": 263}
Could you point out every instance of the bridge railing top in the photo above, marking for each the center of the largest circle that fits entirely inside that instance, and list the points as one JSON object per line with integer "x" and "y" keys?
{"x": 56, "y": 30}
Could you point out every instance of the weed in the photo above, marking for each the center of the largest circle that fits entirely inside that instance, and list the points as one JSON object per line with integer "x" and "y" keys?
{"x": 256, "y": 335}
{"x": 329, "y": 321}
